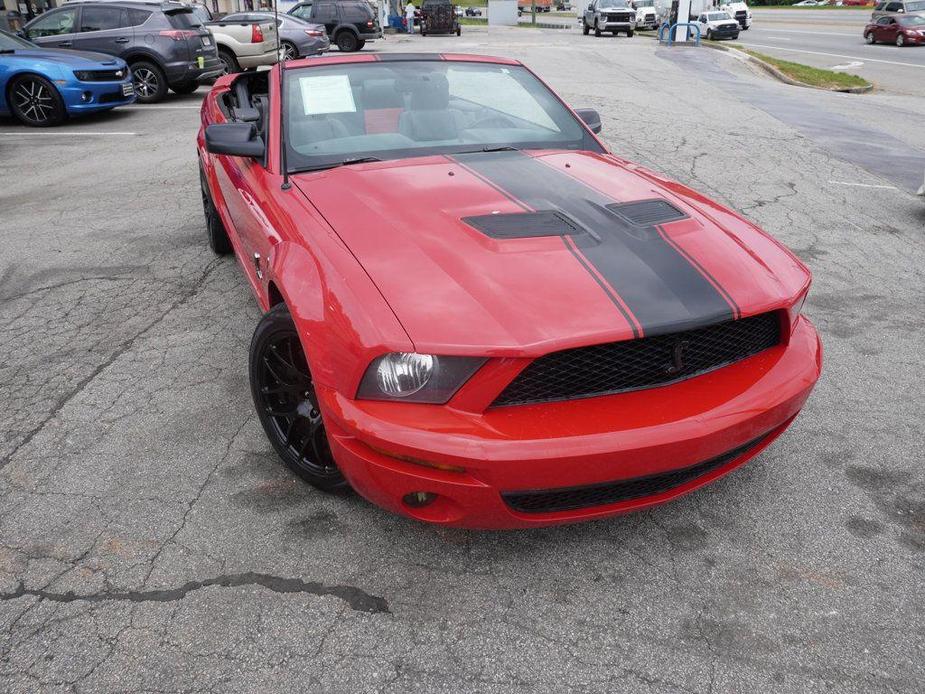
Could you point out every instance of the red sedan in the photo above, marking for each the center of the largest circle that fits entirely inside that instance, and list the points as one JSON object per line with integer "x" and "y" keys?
{"x": 906, "y": 30}
{"x": 476, "y": 315}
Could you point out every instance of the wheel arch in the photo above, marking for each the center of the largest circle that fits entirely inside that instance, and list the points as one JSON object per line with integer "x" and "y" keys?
{"x": 24, "y": 72}
{"x": 342, "y": 319}
{"x": 137, "y": 54}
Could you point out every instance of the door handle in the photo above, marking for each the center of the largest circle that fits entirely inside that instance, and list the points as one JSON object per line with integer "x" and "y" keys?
{"x": 122, "y": 39}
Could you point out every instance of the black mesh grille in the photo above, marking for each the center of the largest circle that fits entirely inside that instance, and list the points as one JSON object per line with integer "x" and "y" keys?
{"x": 570, "y": 498}
{"x": 102, "y": 75}
{"x": 644, "y": 363}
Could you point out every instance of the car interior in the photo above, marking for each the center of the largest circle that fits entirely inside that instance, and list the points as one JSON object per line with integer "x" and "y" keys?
{"x": 385, "y": 111}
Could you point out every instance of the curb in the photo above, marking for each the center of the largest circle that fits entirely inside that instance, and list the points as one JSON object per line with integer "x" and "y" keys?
{"x": 781, "y": 77}
{"x": 774, "y": 72}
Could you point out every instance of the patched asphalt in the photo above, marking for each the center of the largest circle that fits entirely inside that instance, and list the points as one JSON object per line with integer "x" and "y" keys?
{"x": 150, "y": 540}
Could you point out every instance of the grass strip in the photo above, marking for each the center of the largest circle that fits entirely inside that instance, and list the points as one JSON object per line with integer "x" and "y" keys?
{"x": 817, "y": 77}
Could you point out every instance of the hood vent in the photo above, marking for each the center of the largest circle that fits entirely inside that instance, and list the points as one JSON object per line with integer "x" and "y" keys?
{"x": 524, "y": 225}
{"x": 647, "y": 213}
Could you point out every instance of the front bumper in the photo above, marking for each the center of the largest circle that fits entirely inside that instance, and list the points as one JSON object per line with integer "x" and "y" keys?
{"x": 567, "y": 444}
{"x": 617, "y": 26}
{"x": 102, "y": 96}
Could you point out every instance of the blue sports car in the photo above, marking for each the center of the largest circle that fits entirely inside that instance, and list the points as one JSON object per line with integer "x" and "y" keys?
{"x": 43, "y": 86}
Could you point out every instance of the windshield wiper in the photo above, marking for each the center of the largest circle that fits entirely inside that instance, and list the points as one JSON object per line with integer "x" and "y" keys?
{"x": 499, "y": 148}
{"x": 335, "y": 164}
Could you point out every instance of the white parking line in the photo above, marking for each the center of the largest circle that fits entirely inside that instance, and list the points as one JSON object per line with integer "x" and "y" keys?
{"x": 811, "y": 33}
{"x": 862, "y": 185}
{"x": 59, "y": 133}
{"x": 834, "y": 55}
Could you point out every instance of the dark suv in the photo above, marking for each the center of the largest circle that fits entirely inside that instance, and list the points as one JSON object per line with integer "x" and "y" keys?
{"x": 164, "y": 43}
{"x": 349, "y": 23}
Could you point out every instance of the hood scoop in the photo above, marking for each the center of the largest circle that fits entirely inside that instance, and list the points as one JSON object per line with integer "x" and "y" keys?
{"x": 647, "y": 213}
{"x": 524, "y": 225}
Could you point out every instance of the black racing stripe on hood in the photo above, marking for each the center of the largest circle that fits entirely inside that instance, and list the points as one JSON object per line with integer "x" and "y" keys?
{"x": 658, "y": 284}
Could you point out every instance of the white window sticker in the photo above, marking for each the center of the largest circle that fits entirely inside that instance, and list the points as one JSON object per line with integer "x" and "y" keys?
{"x": 326, "y": 94}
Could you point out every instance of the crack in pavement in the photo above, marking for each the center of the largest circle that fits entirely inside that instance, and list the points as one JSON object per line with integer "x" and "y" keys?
{"x": 121, "y": 349}
{"x": 356, "y": 598}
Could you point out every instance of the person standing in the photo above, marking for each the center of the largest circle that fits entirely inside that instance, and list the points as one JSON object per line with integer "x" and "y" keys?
{"x": 409, "y": 16}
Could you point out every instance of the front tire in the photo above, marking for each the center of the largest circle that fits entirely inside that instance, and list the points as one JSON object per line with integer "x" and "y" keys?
{"x": 629, "y": 34}
{"x": 347, "y": 42}
{"x": 869, "y": 37}
{"x": 585, "y": 29}
{"x": 284, "y": 395}
{"x": 216, "y": 233}
{"x": 709, "y": 35}
{"x": 35, "y": 102}
{"x": 597, "y": 29}
{"x": 900, "y": 41}
{"x": 150, "y": 82}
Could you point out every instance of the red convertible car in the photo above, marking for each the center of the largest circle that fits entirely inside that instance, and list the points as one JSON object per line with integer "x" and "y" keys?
{"x": 476, "y": 315}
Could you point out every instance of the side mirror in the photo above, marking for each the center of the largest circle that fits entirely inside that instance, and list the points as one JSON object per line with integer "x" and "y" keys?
{"x": 22, "y": 34}
{"x": 591, "y": 118}
{"x": 236, "y": 139}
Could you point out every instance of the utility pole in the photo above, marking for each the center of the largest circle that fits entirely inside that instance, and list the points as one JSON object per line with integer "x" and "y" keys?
{"x": 533, "y": 11}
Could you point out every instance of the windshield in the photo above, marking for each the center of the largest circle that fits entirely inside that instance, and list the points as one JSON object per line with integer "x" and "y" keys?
{"x": 912, "y": 21}
{"x": 394, "y": 110}
{"x": 645, "y": 3}
{"x": 614, "y": 5}
{"x": 915, "y": 6}
{"x": 8, "y": 42}
{"x": 718, "y": 16}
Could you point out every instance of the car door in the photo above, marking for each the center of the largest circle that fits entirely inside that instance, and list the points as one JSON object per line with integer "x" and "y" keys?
{"x": 103, "y": 28}
{"x": 888, "y": 28}
{"x": 302, "y": 11}
{"x": 325, "y": 12}
{"x": 589, "y": 13}
{"x": 55, "y": 29}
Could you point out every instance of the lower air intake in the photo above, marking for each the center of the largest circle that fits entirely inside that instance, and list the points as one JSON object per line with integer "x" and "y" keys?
{"x": 571, "y": 498}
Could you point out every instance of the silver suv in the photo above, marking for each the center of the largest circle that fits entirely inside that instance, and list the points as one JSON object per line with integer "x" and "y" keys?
{"x": 609, "y": 15}
{"x": 894, "y": 7}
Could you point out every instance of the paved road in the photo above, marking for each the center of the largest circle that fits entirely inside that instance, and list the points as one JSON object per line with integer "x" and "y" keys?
{"x": 830, "y": 39}
{"x": 150, "y": 540}
{"x": 834, "y": 39}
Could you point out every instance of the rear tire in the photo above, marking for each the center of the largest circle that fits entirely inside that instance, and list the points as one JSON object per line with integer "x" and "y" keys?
{"x": 287, "y": 406}
{"x": 150, "y": 82}
{"x": 629, "y": 34}
{"x": 360, "y": 44}
{"x": 290, "y": 52}
{"x": 215, "y": 230}
{"x": 229, "y": 62}
{"x": 35, "y": 102}
{"x": 346, "y": 42}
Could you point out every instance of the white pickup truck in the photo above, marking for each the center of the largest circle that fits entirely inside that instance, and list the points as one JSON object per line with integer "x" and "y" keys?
{"x": 245, "y": 44}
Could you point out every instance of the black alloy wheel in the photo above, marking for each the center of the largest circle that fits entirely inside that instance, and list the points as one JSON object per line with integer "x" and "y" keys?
{"x": 346, "y": 41}
{"x": 215, "y": 230}
{"x": 150, "y": 82}
{"x": 284, "y": 395}
{"x": 35, "y": 102}
{"x": 290, "y": 52}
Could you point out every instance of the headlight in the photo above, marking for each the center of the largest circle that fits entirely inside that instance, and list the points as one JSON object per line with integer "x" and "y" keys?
{"x": 796, "y": 309}
{"x": 412, "y": 377}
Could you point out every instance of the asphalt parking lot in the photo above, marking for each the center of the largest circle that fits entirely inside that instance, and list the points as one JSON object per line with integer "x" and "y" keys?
{"x": 150, "y": 540}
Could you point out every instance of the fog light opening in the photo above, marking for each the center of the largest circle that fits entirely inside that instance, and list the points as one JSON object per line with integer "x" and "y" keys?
{"x": 86, "y": 96}
{"x": 419, "y": 499}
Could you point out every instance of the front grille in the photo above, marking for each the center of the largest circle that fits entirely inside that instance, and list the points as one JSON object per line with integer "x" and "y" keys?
{"x": 571, "y": 498}
{"x": 618, "y": 18}
{"x": 741, "y": 13}
{"x": 648, "y": 362}
{"x": 102, "y": 75}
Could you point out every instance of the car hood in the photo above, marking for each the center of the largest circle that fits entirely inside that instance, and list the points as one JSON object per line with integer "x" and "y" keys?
{"x": 513, "y": 254}
{"x": 68, "y": 58}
